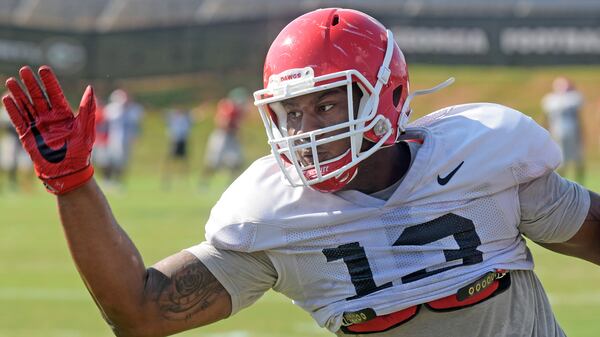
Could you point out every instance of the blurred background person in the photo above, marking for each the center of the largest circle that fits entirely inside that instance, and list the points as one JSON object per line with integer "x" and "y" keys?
{"x": 123, "y": 116}
{"x": 100, "y": 155}
{"x": 223, "y": 150}
{"x": 562, "y": 107}
{"x": 5, "y": 127}
{"x": 15, "y": 164}
{"x": 179, "y": 124}
{"x": 596, "y": 122}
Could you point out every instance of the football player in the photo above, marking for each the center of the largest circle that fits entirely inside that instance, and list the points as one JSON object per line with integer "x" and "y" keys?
{"x": 370, "y": 224}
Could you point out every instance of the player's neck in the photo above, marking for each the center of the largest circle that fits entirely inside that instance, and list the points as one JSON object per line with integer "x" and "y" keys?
{"x": 384, "y": 168}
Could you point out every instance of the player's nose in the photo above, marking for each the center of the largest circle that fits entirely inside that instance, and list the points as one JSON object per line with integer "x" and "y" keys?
{"x": 309, "y": 123}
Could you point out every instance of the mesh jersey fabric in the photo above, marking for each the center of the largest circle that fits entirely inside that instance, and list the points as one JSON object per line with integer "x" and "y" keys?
{"x": 422, "y": 244}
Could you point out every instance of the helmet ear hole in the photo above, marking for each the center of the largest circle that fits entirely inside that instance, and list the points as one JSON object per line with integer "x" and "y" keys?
{"x": 335, "y": 20}
{"x": 396, "y": 96}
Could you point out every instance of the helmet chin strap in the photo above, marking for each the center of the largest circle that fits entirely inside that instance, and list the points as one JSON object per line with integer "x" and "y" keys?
{"x": 406, "y": 107}
{"x": 383, "y": 76}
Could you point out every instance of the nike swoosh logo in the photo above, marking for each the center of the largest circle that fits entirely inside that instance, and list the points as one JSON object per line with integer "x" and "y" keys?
{"x": 53, "y": 156}
{"x": 446, "y": 179}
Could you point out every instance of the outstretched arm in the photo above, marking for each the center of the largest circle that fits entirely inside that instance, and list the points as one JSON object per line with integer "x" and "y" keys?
{"x": 176, "y": 294}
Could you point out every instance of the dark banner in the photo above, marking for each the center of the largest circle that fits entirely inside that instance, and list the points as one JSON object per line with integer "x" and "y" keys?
{"x": 68, "y": 53}
{"x": 499, "y": 41}
{"x": 240, "y": 46}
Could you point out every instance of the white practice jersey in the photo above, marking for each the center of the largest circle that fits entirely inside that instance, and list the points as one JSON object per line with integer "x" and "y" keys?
{"x": 454, "y": 217}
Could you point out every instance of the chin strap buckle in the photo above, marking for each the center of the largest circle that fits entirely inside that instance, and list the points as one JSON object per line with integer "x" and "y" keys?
{"x": 384, "y": 74}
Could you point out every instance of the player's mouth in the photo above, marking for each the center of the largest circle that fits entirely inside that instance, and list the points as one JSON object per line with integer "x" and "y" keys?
{"x": 307, "y": 158}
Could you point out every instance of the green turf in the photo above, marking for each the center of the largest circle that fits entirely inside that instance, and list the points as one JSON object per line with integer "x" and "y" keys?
{"x": 41, "y": 293}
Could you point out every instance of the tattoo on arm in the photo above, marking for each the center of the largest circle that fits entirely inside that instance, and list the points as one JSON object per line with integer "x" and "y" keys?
{"x": 190, "y": 290}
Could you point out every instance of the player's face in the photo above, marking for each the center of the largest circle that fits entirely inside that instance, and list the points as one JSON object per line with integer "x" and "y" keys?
{"x": 316, "y": 111}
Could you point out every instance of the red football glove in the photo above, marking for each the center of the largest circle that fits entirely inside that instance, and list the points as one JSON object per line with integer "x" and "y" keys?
{"x": 58, "y": 141}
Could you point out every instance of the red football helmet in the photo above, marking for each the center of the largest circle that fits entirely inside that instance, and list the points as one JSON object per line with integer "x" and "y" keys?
{"x": 324, "y": 49}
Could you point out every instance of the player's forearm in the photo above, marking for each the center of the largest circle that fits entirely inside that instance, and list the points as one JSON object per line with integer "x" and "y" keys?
{"x": 107, "y": 260}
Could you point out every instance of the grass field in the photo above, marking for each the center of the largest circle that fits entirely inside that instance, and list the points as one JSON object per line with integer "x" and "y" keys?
{"x": 41, "y": 293}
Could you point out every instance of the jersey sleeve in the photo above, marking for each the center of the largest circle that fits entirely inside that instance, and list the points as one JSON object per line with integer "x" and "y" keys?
{"x": 552, "y": 208}
{"x": 245, "y": 276}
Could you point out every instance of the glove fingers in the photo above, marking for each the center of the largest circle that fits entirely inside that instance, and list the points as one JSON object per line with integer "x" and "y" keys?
{"x": 15, "y": 114}
{"x": 54, "y": 91}
{"x": 87, "y": 110}
{"x": 21, "y": 99}
{"x": 40, "y": 103}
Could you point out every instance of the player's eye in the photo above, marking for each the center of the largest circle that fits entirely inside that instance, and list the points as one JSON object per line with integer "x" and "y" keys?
{"x": 294, "y": 114}
{"x": 326, "y": 107}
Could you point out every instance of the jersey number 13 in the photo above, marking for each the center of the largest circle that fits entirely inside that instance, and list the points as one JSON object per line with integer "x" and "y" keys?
{"x": 460, "y": 228}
